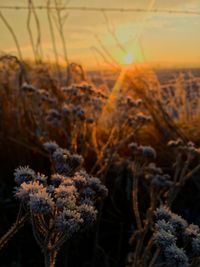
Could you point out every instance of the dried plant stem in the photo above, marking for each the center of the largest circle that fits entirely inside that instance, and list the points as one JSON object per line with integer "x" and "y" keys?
{"x": 135, "y": 199}
{"x": 139, "y": 248}
{"x": 112, "y": 32}
{"x": 53, "y": 37}
{"x": 114, "y": 151}
{"x": 141, "y": 231}
{"x": 37, "y": 49}
{"x": 146, "y": 253}
{"x": 178, "y": 167}
{"x": 176, "y": 189}
{"x": 153, "y": 261}
{"x": 191, "y": 173}
{"x": 28, "y": 25}
{"x": 38, "y": 43}
{"x": 13, "y": 35}
{"x": 185, "y": 167}
{"x": 103, "y": 149}
{"x": 50, "y": 258}
{"x": 60, "y": 241}
{"x": 13, "y": 230}
{"x": 60, "y": 24}
{"x": 37, "y": 236}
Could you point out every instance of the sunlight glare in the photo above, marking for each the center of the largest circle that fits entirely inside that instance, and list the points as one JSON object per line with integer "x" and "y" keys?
{"x": 128, "y": 58}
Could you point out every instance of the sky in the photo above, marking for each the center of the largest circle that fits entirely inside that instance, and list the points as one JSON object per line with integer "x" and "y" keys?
{"x": 97, "y": 39}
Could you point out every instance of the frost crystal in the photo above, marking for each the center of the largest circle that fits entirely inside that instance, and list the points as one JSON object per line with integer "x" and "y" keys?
{"x": 50, "y": 146}
{"x": 67, "y": 201}
{"x": 69, "y": 222}
{"x": 23, "y": 174}
{"x": 175, "y": 256}
{"x": 41, "y": 202}
{"x": 88, "y": 213}
{"x": 164, "y": 238}
{"x": 23, "y": 192}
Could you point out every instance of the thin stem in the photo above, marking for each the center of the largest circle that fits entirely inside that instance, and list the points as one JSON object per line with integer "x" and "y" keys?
{"x": 154, "y": 258}
{"x": 190, "y": 174}
{"x": 176, "y": 189}
{"x": 13, "y": 35}
{"x": 135, "y": 198}
{"x": 178, "y": 167}
{"x": 61, "y": 32}
{"x": 13, "y": 230}
{"x": 38, "y": 43}
{"x": 50, "y": 258}
{"x": 53, "y": 37}
{"x": 36, "y": 233}
{"x": 28, "y": 25}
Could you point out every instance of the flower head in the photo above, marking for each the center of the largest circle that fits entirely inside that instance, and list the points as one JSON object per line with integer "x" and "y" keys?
{"x": 164, "y": 238}
{"x": 41, "y": 202}
{"x": 175, "y": 256}
{"x": 88, "y": 213}
{"x": 50, "y": 146}
{"x": 68, "y": 221}
{"x": 26, "y": 188}
{"x": 24, "y": 174}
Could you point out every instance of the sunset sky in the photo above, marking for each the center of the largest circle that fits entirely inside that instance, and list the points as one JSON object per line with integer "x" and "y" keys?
{"x": 156, "y": 38}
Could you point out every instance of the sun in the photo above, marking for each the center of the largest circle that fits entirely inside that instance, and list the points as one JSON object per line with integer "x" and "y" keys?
{"x": 128, "y": 58}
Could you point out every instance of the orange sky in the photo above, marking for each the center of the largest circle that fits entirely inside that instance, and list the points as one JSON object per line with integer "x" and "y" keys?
{"x": 158, "y": 38}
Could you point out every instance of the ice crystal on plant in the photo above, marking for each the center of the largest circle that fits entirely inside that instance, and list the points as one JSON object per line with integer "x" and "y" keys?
{"x": 53, "y": 117}
{"x": 142, "y": 118}
{"x": 172, "y": 234}
{"x": 23, "y": 174}
{"x": 50, "y": 146}
{"x": 57, "y": 179}
{"x": 153, "y": 169}
{"x": 41, "y": 178}
{"x": 28, "y": 88}
{"x": 88, "y": 213}
{"x": 196, "y": 245}
{"x": 41, "y": 202}
{"x": 79, "y": 179}
{"x": 175, "y": 256}
{"x": 178, "y": 223}
{"x": 161, "y": 181}
{"x": 68, "y": 221}
{"x": 176, "y": 143}
{"x": 66, "y": 202}
{"x": 62, "y": 205}
{"x": 65, "y": 162}
{"x": 26, "y": 188}
{"x": 163, "y": 225}
{"x": 144, "y": 151}
{"x": 96, "y": 185}
{"x": 147, "y": 151}
{"x": 190, "y": 232}
{"x": 164, "y": 238}
{"x": 163, "y": 213}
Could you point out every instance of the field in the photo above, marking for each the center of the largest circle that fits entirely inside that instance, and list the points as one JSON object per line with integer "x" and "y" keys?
{"x": 140, "y": 139}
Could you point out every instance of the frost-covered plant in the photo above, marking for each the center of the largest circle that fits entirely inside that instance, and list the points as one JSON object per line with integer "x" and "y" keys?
{"x": 186, "y": 154}
{"x": 177, "y": 241}
{"x": 62, "y": 205}
{"x": 161, "y": 188}
{"x": 181, "y": 98}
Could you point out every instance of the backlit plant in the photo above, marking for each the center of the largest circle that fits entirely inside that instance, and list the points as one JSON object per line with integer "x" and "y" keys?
{"x": 61, "y": 205}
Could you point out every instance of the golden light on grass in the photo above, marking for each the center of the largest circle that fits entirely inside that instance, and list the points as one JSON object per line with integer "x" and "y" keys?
{"x": 126, "y": 61}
